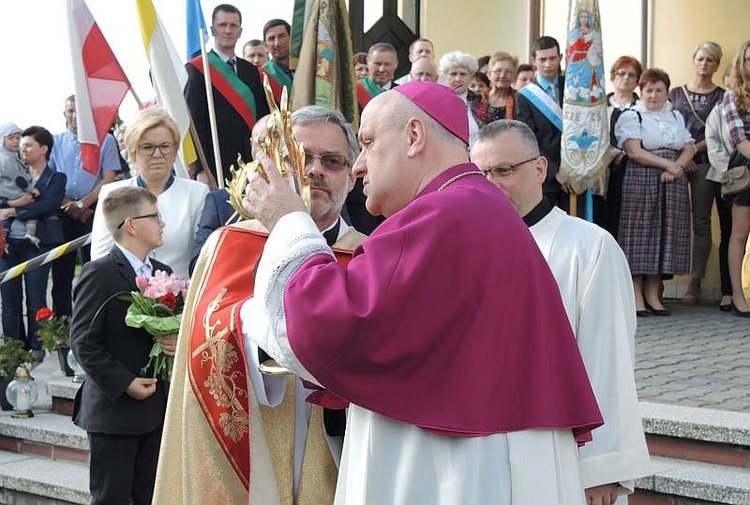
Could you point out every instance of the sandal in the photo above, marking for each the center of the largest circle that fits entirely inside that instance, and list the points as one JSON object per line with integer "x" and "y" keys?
{"x": 690, "y": 299}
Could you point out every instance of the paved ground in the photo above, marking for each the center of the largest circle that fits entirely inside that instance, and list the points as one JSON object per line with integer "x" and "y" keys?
{"x": 698, "y": 357}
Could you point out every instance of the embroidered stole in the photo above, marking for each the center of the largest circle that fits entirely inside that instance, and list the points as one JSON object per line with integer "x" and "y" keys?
{"x": 230, "y": 86}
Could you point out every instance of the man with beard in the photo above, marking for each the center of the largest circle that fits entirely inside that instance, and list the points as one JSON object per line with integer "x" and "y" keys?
{"x": 295, "y": 429}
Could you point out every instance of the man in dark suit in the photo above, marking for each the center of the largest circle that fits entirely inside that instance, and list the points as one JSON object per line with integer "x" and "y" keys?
{"x": 237, "y": 93}
{"x": 122, "y": 413}
{"x": 540, "y": 107}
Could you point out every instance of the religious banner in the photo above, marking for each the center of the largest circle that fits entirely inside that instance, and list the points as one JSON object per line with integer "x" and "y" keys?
{"x": 325, "y": 72}
{"x": 100, "y": 82}
{"x": 585, "y": 135}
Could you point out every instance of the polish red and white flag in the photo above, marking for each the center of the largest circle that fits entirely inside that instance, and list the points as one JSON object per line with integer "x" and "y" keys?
{"x": 100, "y": 83}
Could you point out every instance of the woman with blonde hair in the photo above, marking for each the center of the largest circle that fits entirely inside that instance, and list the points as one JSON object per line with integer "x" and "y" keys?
{"x": 736, "y": 105}
{"x": 695, "y": 101}
{"x": 152, "y": 142}
{"x": 502, "y": 77}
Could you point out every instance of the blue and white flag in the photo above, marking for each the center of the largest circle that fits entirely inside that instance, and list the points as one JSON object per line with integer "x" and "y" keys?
{"x": 585, "y": 136}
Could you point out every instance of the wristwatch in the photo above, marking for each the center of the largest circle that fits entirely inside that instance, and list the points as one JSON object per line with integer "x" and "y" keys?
{"x": 79, "y": 204}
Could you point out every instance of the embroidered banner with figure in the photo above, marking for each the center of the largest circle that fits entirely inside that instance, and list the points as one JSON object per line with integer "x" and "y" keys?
{"x": 585, "y": 138}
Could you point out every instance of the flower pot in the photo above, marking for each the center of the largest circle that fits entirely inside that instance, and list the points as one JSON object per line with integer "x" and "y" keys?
{"x": 4, "y": 403}
{"x": 62, "y": 357}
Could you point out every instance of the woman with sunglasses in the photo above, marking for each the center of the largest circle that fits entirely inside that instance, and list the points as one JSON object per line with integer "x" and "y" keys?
{"x": 152, "y": 142}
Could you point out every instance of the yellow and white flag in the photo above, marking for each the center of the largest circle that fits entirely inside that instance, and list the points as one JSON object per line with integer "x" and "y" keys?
{"x": 168, "y": 76}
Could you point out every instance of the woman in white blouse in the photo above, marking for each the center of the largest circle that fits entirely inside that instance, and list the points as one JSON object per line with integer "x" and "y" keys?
{"x": 152, "y": 141}
{"x": 654, "y": 229}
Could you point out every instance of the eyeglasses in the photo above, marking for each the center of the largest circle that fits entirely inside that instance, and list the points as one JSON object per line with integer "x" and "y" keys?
{"x": 164, "y": 148}
{"x": 502, "y": 71}
{"x": 155, "y": 215}
{"x": 626, "y": 75}
{"x": 331, "y": 162}
{"x": 503, "y": 172}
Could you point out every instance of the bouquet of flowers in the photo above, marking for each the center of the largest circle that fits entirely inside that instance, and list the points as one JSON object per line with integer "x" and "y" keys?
{"x": 54, "y": 331}
{"x": 157, "y": 308}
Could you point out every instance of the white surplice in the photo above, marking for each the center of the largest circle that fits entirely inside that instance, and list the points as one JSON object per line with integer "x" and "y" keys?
{"x": 597, "y": 291}
{"x": 392, "y": 463}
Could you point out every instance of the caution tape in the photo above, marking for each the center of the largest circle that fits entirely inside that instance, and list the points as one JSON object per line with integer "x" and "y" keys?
{"x": 45, "y": 258}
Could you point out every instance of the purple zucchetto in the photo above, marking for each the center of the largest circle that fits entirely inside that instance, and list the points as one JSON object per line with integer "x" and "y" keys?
{"x": 441, "y": 103}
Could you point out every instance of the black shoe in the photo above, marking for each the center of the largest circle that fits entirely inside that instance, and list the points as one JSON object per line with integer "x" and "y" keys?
{"x": 658, "y": 312}
{"x": 726, "y": 308}
{"x": 641, "y": 313}
{"x": 738, "y": 312}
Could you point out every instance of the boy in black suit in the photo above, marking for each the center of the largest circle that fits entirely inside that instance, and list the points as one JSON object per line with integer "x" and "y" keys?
{"x": 122, "y": 413}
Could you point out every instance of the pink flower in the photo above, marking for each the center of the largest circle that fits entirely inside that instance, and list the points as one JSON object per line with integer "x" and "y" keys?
{"x": 141, "y": 282}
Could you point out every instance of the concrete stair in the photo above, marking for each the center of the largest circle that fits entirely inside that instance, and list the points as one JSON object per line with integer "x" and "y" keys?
{"x": 700, "y": 456}
{"x": 44, "y": 459}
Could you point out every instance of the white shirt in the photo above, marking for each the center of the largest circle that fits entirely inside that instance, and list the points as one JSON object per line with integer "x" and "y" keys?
{"x": 663, "y": 129}
{"x": 180, "y": 207}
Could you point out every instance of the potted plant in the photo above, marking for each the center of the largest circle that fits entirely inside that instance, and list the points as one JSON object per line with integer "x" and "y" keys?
{"x": 12, "y": 354}
{"x": 54, "y": 333}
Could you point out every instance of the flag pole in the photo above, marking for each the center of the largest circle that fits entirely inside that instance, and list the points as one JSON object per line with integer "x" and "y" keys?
{"x": 212, "y": 113}
{"x": 135, "y": 96}
{"x": 201, "y": 155}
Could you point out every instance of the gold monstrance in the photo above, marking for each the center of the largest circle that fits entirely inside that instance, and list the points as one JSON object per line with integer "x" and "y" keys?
{"x": 291, "y": 165}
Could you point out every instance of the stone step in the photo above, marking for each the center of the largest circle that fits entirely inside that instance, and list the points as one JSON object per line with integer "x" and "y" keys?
{"x": 26, "y": 478}
{"x": 47, "y": 435}
{"x": 62, "y": 391}
{"x": 703, "y": 482}
{"x": 708, "y": 425}
{"x": 698, "y": 434}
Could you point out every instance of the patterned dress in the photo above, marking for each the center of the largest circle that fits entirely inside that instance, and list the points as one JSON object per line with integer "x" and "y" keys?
{"x": 654, "y": 230}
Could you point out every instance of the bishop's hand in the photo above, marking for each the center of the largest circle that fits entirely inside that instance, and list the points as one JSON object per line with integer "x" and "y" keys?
{"x": 271, "y": 197}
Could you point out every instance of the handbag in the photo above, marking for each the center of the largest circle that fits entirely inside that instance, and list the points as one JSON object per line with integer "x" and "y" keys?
{"x": 737, "y": 177}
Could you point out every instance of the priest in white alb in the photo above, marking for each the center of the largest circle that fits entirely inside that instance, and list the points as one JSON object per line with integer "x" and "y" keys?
{"x": 597, "y": 291}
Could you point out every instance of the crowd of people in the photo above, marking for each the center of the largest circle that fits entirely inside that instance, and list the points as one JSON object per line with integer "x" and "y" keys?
{"x": 436, "y": 148}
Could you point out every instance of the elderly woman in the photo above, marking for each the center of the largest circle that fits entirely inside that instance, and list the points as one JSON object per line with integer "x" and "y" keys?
{"x": 502, "y": 76}
{"x": 736, "y": 107}
{"x": 654, "y": 224}
{"x": 152, "y": 141}
{"x": 36, "y": 146}
{"x": 625, "y": 73}
{"x": 457, "y": 69}
{"x": 695, "y": 101}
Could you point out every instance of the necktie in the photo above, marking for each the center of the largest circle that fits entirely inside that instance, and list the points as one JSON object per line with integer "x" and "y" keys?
{"x": 233, "y": 63}
{"x": 144, "y": 271}
{"x": 553, "y": 91}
